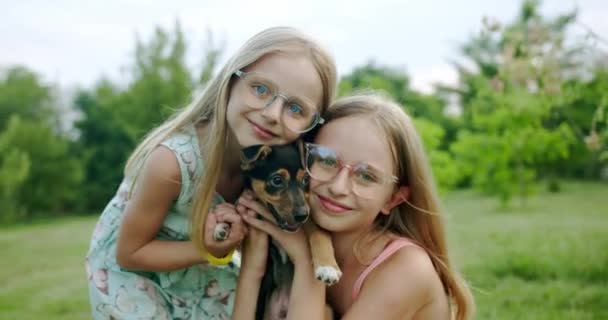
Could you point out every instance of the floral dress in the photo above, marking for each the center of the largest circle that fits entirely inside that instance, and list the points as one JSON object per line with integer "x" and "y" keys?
{"x": 198, "y": 292}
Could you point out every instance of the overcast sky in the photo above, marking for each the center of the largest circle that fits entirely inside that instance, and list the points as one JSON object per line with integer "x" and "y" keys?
{"x": 76, "y": 42}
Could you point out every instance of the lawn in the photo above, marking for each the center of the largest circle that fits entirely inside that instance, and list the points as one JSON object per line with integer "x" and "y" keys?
{"x": 546, "y": 260}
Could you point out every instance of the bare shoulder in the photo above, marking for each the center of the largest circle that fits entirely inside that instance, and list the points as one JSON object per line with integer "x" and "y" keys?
{"x": 410, "y": 272}
{"x": 160, "y": 177}
{"x": 163, "y": 161}
{"x": 406, "y": 276}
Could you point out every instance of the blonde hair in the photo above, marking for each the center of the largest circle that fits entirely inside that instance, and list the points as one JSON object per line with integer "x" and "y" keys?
{"x": 210, "y": 106}
{"x": 418, "y": 218}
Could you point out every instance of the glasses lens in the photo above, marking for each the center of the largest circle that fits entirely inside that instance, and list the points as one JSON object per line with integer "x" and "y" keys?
{"x": 298, "y": 114}
{"x": 366, "y": 180}
{"x": 322, "y": 163}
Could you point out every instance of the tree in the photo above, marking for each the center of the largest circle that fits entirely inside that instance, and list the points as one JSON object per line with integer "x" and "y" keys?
{"x": 23, "y": 93}
{"x": 103, "y": 144}
{"x": 514, "y": 128}
{"x": 45, "y": 176}
{"x": 161, "y": 83}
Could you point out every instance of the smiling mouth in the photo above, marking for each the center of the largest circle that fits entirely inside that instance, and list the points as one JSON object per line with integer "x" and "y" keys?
{"x": 331, "y": 205}
{"x": 265, "y": 133}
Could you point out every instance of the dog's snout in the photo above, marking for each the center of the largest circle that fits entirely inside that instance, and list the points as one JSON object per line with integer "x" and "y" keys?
{"x": 300, "y": 215}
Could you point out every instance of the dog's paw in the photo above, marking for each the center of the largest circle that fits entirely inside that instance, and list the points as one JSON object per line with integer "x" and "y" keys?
{"x": 221, "y": 231}
{"x": 328, "y": 274}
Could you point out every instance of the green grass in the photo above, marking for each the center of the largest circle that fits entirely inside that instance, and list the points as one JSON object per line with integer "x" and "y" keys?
{"x": 42, "y": 270}
{"x": 546, "y": 260}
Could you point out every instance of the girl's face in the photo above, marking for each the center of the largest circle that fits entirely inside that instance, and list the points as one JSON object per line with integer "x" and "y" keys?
{"x": 298, "y": 85}
{"x": 337, "y": 203}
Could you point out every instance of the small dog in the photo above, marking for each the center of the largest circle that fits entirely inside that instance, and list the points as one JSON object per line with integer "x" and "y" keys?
{"x": 277, "y": 176}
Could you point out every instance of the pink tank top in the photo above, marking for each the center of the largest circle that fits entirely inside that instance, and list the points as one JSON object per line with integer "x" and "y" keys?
{"x": 387, "y": 252}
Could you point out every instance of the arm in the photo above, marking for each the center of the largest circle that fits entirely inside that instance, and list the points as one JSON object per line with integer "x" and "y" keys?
{"x": 247, "y": 292}
{"x": 307, "y": 300}
{"x": 158, "y": 185}
{"x": 307, "y": 297}
{"x": 253, "y": 266}
{"x": 398, "y": 288}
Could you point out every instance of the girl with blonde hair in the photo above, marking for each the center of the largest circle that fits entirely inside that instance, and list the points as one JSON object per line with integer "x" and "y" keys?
{"x": 150, "y": 255}
{"x": 371, "y": 187}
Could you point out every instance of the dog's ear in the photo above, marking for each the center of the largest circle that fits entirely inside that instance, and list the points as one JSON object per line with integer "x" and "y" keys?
{"x": 302, "y": 151}
{"x": 250, "y": 155}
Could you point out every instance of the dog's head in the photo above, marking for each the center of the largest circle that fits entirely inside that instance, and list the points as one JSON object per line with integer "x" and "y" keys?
{"x": 279, "y": 180}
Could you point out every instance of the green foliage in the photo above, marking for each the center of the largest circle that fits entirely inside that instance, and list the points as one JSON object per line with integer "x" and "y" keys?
{"x": 46, "y": 176}
{"x": 445, "y": 170}
{"x": 103, "y": 144}
{"x": 37, "y": 173}
{"x": 14, "y": 171}
{"x": 161, "y": 83}
{"x": 597, "y": 139}
{"x": 519, "y": 121}
{"x": 22, "y": 93}
{"x": 508, "y": 143}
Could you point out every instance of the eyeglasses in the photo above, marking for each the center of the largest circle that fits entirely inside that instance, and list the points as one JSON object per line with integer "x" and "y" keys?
{"x": 324, "y": 164}
{"x": 299, "y": 115}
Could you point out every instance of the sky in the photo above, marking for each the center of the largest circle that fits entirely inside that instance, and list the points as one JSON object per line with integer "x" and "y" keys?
{"x": 75, "y": 43}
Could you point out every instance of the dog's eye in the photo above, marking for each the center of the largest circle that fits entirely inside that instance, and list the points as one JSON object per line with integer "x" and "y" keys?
{"x": 277, "y": 181}
{"x": 305, "y": 180}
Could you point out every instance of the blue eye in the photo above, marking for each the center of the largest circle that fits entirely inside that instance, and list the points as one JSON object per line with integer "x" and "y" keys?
{"x": 260, "y": 89}
{"x": 295, "y": 108}
{"x": 366, "y": 176}
{"x": 329, "y": 162}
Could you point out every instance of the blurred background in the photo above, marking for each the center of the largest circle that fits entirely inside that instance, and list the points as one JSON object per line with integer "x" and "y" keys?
{"x": 511, "y": 100}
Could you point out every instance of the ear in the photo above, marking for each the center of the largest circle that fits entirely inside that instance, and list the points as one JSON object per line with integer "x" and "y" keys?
{"x": 250, "y": 155}
{"x": 399, "y": 196}
{"x": 302, "y": 151}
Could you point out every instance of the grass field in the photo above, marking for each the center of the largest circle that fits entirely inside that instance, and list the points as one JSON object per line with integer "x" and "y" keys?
{"x": 547, "y": 260}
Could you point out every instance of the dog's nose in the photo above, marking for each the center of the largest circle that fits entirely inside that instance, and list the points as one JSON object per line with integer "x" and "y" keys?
{"x": 300, "y": 215}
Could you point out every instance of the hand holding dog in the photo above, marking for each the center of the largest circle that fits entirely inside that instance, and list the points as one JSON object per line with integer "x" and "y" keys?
{"x": 294, "y": 243}
{"x": 224, "y": 213}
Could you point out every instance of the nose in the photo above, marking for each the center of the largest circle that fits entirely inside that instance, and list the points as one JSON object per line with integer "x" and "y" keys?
{"x": 273, "y": 110}
{"x": 300, "y": 215}
{"x": 339, "y": 184}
